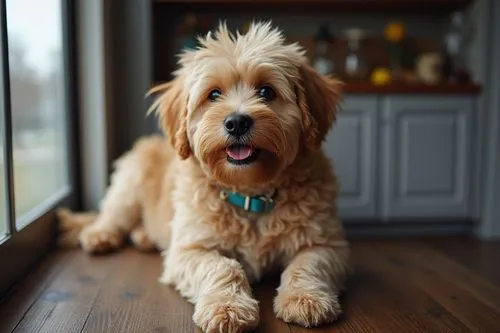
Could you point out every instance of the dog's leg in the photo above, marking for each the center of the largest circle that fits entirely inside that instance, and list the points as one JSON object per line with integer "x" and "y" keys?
{"x": 217, "y": 286}
{"x": 310, "y": 285}
{"x": 120, "y": 211}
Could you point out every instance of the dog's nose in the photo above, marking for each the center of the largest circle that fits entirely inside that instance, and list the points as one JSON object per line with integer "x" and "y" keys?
{"x": 237, "y": 124}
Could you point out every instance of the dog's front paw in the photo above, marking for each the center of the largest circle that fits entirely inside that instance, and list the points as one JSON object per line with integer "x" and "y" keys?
{"x": 307, "y": 308}
{"x": 141, "y": 241}
{"x": 226, "y": 313}
{"x": 96, "y": 239}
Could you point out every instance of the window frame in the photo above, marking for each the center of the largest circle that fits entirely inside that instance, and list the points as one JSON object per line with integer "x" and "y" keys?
{"x": 21, "y": 249}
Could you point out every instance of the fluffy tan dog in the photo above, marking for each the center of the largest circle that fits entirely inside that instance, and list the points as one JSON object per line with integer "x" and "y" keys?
{"x": 241, "y": 186}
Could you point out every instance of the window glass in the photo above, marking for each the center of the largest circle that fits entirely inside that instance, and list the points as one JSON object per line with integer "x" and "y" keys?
{"x": 36, "y": 62}
{"x": 4, "y": 222}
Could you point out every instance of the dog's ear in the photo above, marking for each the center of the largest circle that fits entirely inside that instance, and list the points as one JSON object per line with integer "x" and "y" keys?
{"x": 318, "y": 99}
{"x": 171, "y": 108}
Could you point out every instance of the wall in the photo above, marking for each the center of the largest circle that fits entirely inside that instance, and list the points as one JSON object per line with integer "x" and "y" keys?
{"x": 93, "y": 99}
{"x": 490, "y": 169}
{"x": 129, "y": 58}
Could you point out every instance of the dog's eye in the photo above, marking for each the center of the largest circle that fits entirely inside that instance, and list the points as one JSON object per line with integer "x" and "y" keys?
{"x": 267, "y": 93}
{"x": 214, "y": 94}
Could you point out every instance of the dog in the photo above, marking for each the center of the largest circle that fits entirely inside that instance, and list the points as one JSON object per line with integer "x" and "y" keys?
{"x": 238, "y": 186}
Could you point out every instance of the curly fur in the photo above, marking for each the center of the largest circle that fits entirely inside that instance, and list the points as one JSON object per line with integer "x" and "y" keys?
{"x": 165, "y": 192}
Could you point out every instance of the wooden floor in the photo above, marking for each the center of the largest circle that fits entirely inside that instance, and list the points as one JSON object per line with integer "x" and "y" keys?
{"x": 414, "y": 285}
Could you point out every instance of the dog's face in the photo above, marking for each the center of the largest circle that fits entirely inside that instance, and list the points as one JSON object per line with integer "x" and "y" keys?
{"x": 245, "y": 106}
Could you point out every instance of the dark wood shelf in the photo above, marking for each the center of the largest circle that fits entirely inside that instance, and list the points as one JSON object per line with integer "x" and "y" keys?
{"x": 411, "y": 88}
{"x": 404, "y": 88}
{"x": 410, "y": 6}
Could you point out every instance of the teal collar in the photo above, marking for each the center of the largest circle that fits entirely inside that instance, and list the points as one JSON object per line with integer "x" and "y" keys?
{"x": 255, "y": 204}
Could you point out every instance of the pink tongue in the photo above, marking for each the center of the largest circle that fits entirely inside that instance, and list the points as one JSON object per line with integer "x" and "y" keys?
{"x": 239, "y": 153}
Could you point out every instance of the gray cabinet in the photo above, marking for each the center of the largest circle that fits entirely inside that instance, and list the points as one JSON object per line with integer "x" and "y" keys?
{"x": 426, "y": 156}
{"x": 352, "y": 145}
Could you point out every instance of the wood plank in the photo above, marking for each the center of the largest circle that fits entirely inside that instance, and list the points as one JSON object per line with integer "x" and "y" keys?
{"x": 132, "y": 299}
{"x": 471, "y": 311}
{"x": 265, "y": 293}
{"x": 12, "y": 309}
{"x": 376, "y": 301}
{"x": 65, "y": 304}
{"x": 481, "y": 257}
{"x": 391, "y": 303}
{"x": 438, "y": 264}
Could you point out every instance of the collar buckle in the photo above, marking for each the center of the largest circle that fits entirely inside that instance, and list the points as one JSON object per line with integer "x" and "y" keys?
{"x": 248, "y": 199}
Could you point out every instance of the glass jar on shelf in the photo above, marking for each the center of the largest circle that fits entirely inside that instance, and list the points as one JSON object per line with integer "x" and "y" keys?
{"x": 355, "y": 66}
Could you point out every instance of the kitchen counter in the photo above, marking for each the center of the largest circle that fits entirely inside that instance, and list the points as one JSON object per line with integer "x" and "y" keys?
{"x": 411, "y": 88}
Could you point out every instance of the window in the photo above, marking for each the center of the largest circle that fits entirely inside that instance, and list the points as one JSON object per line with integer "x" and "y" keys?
{"x": 4, "y": 225}
{"x": 36, "y": 125}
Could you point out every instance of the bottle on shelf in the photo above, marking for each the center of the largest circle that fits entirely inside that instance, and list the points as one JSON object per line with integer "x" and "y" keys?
{"x": 323, "y": 57}
{"x": 455, "y": 45}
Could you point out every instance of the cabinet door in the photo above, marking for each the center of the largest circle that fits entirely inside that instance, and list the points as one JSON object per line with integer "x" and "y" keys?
{"x": 352, "y": 146}
{"x": 426, "y": 156}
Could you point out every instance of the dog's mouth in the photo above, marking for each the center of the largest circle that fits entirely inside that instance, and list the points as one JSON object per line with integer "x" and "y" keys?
{"x": 240, "y": 154}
